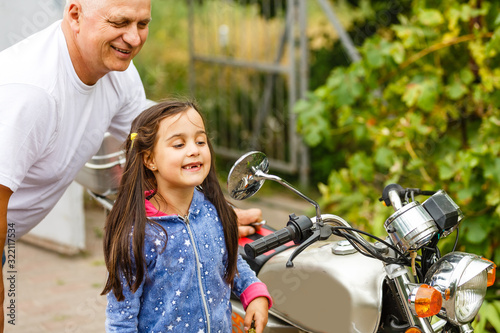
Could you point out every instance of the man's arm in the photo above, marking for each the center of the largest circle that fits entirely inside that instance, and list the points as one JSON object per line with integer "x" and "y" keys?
{"x": 5, "y": 194}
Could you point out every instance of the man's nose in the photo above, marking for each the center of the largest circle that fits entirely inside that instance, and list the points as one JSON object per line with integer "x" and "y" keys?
{"x": 132, "y": 36}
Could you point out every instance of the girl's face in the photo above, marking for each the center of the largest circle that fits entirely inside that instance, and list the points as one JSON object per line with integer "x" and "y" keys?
{"x": 181, "y": 157}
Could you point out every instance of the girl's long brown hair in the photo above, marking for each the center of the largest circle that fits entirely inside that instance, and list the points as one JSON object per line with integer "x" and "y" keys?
{"x": 125, "y": 227}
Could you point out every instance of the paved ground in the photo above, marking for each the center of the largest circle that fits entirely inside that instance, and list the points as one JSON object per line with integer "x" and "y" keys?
{"x": 60, "y": 294}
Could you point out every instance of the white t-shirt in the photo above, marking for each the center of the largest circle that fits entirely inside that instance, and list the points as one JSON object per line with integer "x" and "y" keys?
{"x": 51, "y": 123}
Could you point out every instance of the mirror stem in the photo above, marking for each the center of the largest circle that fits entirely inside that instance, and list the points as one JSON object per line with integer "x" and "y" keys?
{"x": 258, "y": 174}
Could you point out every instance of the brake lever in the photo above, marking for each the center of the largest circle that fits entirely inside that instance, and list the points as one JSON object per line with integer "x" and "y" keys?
{"x": 322, "y": 232}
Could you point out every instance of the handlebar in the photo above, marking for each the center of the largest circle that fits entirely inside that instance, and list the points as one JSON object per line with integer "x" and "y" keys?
{"x": 297, "y": 230}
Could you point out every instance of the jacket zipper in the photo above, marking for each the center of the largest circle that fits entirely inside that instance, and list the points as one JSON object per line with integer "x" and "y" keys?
{"x": 200, "y": 284}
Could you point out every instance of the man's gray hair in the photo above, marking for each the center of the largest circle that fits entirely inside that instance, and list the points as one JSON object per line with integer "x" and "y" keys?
{"x": 88, "y": 5}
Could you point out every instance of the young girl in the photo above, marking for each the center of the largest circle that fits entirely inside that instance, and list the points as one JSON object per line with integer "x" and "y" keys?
{"x": 171, "y": 239}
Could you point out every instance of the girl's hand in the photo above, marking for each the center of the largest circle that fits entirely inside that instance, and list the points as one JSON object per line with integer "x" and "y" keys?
{"x": 257, "y": 312}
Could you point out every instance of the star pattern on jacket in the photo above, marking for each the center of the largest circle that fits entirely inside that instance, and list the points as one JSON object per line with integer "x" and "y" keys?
{"x": 185, "y": 264}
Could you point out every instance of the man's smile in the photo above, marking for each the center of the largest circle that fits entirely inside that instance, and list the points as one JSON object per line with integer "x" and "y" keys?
{"x": 121, "y": 50}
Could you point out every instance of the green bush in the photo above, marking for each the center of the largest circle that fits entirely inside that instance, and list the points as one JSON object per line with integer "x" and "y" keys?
{"x": 420, "y": 109}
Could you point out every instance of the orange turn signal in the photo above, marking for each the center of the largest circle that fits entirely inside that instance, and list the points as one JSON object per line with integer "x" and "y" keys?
{"x": 491, "y": 273}
{"x": 428, "y": 301}
{"x": 413, "y": 330}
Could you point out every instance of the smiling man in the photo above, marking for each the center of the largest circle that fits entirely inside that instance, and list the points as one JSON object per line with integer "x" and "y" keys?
{"x": 61, "y": 90}
{"x": 104, "y": 36}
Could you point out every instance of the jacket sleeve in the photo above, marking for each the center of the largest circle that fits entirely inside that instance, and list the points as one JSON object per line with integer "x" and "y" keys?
{"x": 123, "y": 316}
{"x": 247, "y": 286}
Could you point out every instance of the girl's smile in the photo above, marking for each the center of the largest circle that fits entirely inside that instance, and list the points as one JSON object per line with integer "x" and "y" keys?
{"x": 193, "y": 167}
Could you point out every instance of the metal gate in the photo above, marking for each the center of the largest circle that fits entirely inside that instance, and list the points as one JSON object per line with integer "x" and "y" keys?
{"x": 248, "y": 67}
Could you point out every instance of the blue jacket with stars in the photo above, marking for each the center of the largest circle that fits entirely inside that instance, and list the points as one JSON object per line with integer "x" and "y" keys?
{"x": 184, "y": 289}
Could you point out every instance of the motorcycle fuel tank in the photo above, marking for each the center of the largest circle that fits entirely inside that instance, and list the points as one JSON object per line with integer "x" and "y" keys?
{"x": 328, "y": 289}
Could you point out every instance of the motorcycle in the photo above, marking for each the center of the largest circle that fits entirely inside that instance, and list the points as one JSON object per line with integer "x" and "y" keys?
{"x": 324, "y": 276}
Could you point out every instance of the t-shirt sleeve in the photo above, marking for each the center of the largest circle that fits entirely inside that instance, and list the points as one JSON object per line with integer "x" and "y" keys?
{"x": 27, "y": 123}
{"x": 134, "y": 103}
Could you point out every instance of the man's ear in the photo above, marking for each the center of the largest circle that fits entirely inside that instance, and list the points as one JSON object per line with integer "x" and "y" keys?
{"x": 74, "y": 15}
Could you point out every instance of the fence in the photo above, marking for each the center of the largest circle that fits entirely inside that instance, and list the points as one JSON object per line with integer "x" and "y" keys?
{"x": 253, "y": 54}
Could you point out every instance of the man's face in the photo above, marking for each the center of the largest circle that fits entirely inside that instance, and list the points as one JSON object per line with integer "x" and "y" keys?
{"x": 111, "y": 36}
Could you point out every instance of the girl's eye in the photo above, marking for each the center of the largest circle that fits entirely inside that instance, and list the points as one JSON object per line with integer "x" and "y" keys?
{"x": 201, "y": 143}
{"x": 179, "y": 145}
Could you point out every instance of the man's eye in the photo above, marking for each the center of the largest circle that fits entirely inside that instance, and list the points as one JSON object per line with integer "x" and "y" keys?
{"x": 118, "y": 23}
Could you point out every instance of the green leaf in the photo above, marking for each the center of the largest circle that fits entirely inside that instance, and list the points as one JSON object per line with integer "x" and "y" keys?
{"x": 413, "y": 91}
{"x": 497, "y": 20}
{"x": 466, "y": 194}
{"x": 360, "y": 131}
{"x": 422, "y": 93}
{"x": 494, "y": 43}
{"x": 453, "y": 17}
{"x": 429, "y": 94}
{"x": 336, "y": 78}
{"x": 361, "y": 166}
{"x": 312, "y": 121}
{"x": 456, "y": 90}
{"x": 476, "y": 229}
{"x": 384, "y": 157}
{"x": 446, "y": 172}
{"x": 492, "y": 170}
{"x": 430, "y": 17}
{"x": 348, "y": 91}
{"x": 490, "y": 313}
{"x": 493, "y": 197}
{"x": 409, "y": 35}
{"x": 374, "y": 56}
{"x": 466, "y": 76}
{"x": 446, "y": 167}
{"x": 397, "y": 52}
{"x": 465, "y": 12}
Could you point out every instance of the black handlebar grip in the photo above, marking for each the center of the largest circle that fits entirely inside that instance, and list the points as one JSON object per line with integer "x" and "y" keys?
{"x": 270, "y": 241}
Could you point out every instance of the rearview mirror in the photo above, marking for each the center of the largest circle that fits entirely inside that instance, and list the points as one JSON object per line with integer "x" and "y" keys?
{"x": 242, "y": 182}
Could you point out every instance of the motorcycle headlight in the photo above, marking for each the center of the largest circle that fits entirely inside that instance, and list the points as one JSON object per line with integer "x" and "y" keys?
{"x": 462, "y": 279}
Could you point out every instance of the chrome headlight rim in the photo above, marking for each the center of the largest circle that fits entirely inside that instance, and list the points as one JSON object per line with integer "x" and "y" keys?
{"x": 451, "y": 272}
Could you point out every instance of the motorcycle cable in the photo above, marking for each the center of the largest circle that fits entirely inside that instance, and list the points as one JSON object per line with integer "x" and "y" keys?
{"x": 456, "y": 240}
{"x": 373, "y": 253}
{"x": 430, "y": 254}
{"x": 432, "y": 249}
{"x": 402, "y": 260}
{"x": 362, "y": 249}
{"x": 369, "y": 251}
{"x": 369, "y": 235}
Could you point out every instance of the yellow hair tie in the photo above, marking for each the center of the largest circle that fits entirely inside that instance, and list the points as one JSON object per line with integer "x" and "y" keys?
{"x": 132, "y": 138}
